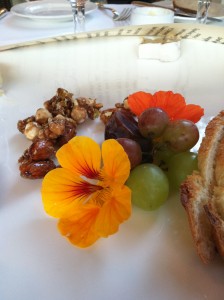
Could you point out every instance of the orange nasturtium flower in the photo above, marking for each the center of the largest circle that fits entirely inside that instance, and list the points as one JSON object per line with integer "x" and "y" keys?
{"x": 87, "y": 193}
{"x": 173, "y": 104}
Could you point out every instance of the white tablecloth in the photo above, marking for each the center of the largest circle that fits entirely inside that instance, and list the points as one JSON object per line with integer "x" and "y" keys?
{"x": 15, "y": 29}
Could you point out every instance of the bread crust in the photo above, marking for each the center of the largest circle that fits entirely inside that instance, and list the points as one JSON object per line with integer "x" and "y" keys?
{"x": 216, "y": 221}
{"x": 202, "y": 193}
{"x": 193, "y": 198}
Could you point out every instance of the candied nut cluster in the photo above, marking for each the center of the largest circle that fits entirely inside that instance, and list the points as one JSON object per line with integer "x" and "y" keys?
{"x": 51, "y": 127}
{"x": 36, "y": 161}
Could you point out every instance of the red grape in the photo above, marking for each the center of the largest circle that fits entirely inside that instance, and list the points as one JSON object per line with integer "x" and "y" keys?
{"x": 133, "y": 151}
{"x": 152, "y": 122}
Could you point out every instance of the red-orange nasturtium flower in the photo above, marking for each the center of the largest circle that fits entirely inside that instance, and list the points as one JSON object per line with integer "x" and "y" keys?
{"x": 173, "y": 104}
{"x": 87, "y": 193}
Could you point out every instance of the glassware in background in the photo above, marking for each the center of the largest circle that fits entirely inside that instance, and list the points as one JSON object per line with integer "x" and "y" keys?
{"x": 202, "y": 11}
{"x": 78, "y": 11}
{"x": 5, "y": 4}
{"x": 99, "y": 1}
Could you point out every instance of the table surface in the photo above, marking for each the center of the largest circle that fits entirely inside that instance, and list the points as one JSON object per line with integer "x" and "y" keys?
{"x": 17, "y": 29}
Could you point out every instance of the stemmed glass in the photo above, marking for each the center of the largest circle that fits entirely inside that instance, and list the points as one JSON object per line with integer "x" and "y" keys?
{"x": 78, "y": 11}
{"x": 202, "y": 11}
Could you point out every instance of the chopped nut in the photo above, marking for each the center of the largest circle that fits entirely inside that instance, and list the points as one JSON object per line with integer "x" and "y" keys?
{"x": 57, "y": 126}
{"x": 45, "y": 133}
{"x": 106, "y": 114}
{"x": 119, "y": 105}
{"x": 66, "y": 119}
{"x": 64, "y": 93}
{"x": 92, "y": 108}
{"x": 22, "y": 123}
{"x": 126, "y": 106}
{"x": 42, "y": 115}
{"x": 61, "y": 103}
{"x": 59, "y": 117}
{"x": 86, "y": 101}
{"x": 31, "y": 130}
{"x": 50, "y": 128}
{"x": 79, "y": 114}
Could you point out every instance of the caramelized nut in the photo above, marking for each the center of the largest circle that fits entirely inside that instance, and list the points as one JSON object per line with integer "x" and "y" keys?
{"x": 69, "y": 133}
{"x": 107, "y": 114}
{"x": 50, "y": 128}
{"x": 126, "y": 106}
{"x": 57, "y": 126}
{"x": 42, "y": 115}
{"x": 92, "y": 108}
{"x": 36, "y": 169}
{"x": 22, "y": 123}
{"x": 79, "y": 114}
{"x": 61, "y": 103}
{"x": 31, "y": 130}
{"x": 41, "y": 150}
{"x": 45, "y": 133}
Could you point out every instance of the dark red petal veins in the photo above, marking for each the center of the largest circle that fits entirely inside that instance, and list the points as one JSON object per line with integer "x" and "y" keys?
{"x": 89, "y": 172}
{"x": 85, "y": 189}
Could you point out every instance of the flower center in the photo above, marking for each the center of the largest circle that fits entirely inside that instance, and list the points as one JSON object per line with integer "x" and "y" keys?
{"x": 86, "y": 188}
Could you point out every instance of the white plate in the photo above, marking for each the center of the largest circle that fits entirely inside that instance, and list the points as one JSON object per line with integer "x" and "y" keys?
{"x": 152, "y": 255}
{"x": 48, "y": 10}
{"x": 179, "y": 19}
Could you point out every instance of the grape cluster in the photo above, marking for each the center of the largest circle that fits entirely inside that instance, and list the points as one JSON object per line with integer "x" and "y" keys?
{"x": 178, "y": 135}
{"x": 159, "y": 152}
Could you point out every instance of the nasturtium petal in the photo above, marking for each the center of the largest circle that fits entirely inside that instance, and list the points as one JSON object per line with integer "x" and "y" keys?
{"x": 140, "y": 101}
{"x": 115, "y": 210}
{"x": 170, "y": 102}
{"x": 81, "y": 155}
{"x": 116, "y": 164}
{"x": 61, "y": 192}
{"x": 80, "y": 228}
{"x": 173, "y": 104}
{"x": 191, "y": 112}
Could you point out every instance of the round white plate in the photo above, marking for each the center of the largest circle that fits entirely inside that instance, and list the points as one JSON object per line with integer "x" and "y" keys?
{"x": 181, "y": 19}
{"x": 48, "y": 10}
{"x": 152, "y": 256}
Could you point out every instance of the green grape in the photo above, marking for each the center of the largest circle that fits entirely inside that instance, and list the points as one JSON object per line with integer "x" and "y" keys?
{"x": 181, "y": 135}
{"x": 152, "y": 122}
{"x": 133, "y": 151}
{"x": 149, "y": 186}
{"x": 179, "y": 166}
{"x": 161, "y": 155}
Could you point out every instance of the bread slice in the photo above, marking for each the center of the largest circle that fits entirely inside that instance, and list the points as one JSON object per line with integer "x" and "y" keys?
{"x": 214, "y": 212}
{"x": 209, "y": 147}
{"x": 194, "y": 197}
{"x": 215, "y": 208}
{"x": 198, "y": 192}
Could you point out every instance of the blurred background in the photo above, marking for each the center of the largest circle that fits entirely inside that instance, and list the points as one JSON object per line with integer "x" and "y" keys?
{"x": 9, "y": 3}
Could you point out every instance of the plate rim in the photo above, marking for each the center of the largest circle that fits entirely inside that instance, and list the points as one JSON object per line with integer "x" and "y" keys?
{"x": 90, "y": 7}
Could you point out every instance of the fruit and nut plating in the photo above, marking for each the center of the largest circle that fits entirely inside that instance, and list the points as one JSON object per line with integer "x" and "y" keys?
{"x": 151, "y": 140}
